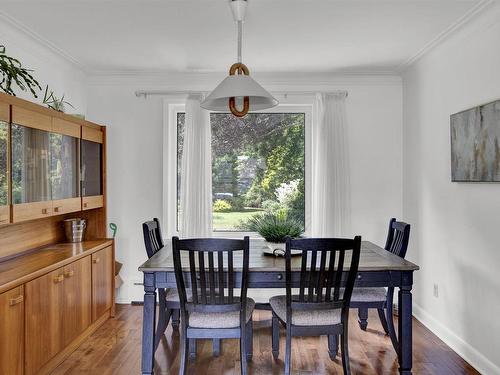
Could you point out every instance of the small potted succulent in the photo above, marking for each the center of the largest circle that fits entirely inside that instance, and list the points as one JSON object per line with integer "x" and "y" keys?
{"x": 275, "y": 228}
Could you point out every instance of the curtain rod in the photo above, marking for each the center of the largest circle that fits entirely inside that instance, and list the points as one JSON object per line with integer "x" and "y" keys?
{"x": 146, "y": 93}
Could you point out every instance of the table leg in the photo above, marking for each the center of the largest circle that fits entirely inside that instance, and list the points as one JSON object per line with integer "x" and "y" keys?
{"x": 148, "y": 325}
{"x": 405, "y": 330}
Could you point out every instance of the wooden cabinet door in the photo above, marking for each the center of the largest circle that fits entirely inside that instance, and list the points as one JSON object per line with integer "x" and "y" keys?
{"x": 12, "y": 331}
{"x": 77, "y": 299}
{"x": 44, "y": 317}
{"x": 102, "y": 282}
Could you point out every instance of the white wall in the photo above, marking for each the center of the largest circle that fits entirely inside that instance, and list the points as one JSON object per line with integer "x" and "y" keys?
{"x": 374, "y": 111}
{"x": 455, "y": 226}
{"x": 62, "y": 76}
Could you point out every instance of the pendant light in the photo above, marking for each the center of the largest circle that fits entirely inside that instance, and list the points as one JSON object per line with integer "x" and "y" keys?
{"x": 239, "y": 92}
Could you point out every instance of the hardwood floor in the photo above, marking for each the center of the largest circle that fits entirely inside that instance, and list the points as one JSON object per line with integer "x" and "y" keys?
{"x": 116, "y": 349}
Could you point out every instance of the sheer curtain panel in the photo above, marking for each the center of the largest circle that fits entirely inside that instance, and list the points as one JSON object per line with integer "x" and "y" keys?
{"x": 196, "y": 180}
{"x": 331, "y": 198}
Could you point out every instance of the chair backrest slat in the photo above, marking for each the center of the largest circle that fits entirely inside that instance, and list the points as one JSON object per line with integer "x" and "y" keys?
{"x": 208, "y": 286}
{"x": 152, "y": 236}
{"x": 323, "y": 284}
{"x": 398, "y": 237}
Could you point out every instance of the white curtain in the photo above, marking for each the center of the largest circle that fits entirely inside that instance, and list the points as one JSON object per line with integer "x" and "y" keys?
{"x": 196, "y": 174}
{"x": 331, "y": 200}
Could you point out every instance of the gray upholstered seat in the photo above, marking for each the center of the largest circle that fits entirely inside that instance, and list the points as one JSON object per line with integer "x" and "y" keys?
{"x": 305, "y": 317}
{"x": 368, "y": 295}
{"x": 220, "y": 320}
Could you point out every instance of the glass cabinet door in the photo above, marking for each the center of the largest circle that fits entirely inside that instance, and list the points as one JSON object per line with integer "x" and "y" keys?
{"x": 30, "y": 165}
{"x": 64, "y": 166}
{"x": 91, "y": 168}
{"x": 4, "y": 138}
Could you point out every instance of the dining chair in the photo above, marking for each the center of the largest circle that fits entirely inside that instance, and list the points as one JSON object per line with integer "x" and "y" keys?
{"x": 380, "y": 298}
{"x": 168, "y": 299}
{"x": 321, "y": 306}
{"x": 213, "y": 310}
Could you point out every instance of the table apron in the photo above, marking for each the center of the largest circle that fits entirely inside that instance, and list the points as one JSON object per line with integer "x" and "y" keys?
{"x": 276, "y": 279}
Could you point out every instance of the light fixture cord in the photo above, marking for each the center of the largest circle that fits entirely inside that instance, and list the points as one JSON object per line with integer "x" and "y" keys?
{"x": 240, "y": 38}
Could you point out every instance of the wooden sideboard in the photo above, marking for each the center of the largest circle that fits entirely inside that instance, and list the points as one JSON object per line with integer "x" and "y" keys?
{"x": 52, "y": 294}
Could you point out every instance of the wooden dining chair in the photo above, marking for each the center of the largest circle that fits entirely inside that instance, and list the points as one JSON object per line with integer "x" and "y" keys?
{"x": 380, "y": 298}
{"x": 321, "y": 307}
{"x": 213, "y": 310}
{"x": 168, "y": 299}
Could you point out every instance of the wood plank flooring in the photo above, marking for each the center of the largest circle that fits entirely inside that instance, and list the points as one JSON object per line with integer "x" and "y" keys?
{"x": 116, "y": 349}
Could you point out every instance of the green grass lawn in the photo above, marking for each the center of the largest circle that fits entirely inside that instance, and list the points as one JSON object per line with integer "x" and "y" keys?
{"x": 230, "y": 220}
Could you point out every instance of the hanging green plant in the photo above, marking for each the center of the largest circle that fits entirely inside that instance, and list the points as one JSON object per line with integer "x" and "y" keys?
{"x": 53, "y": 101}
{"x": 13, "y": 72}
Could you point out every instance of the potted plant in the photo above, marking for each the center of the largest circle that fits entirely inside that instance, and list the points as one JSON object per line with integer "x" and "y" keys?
{"x": 275, "y": 228}
{"x": 12, "y": 71}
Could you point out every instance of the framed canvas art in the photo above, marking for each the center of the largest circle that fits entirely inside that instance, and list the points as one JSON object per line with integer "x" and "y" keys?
{"x": 475, "y": 144}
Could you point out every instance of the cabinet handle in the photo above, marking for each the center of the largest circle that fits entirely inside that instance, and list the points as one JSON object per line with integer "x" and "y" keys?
{"x": 58, "y": 279}
{"x": 96, "y": 260}
{"x": 15, "y": 301}
{"x": 57, "y": 209}
{"x": 85, "y": 205}
{"x": 45, "y": 211}
{"x": 69, "y": 273}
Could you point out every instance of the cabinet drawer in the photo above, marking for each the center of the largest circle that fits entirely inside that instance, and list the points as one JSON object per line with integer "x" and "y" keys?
{"x": 65, "y": 127}
{"x": 64, "y": 206}
{"x": 4, "y": 112}
{"x": 12, "y": 329}
{"x": 89, "y": 203}
{"x": 91, "y": 134}
{"x": 4, "y": 215}
{"x": 30, "y": 211}
{"x": 31, "y": 119}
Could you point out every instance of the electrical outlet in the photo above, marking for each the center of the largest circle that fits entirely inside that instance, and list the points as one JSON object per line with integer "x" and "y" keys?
{"x": 436, "y": 291}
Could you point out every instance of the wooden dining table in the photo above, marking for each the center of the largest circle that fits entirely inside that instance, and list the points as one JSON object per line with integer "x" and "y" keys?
{"x": 377, "y": 268}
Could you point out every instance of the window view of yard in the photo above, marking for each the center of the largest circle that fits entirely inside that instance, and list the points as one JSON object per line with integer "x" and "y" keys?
{"x": 257, "y": 167}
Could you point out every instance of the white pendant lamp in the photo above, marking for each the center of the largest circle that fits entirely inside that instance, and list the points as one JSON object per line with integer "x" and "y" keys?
{"x": 239, "y": 92}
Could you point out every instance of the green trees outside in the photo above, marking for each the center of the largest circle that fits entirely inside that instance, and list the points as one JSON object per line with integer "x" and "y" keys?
{"x": 252, "y": 157}
{"x": 3, "y": 163}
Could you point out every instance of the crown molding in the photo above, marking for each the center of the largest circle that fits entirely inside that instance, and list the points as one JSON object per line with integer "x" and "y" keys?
{"x": 41, "y": 40}
{"x": 447, "y": 33}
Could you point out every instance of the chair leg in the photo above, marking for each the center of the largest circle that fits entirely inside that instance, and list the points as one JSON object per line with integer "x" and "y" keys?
{"x": 216, "y": 344}
{"x": 344, "y": 347}
{"x": 249, "y": 338}
{"x": 276, "y": 336}
{"x": 288, "y": 350}
{"x": 175, "y": 318}
{"x": 390, "y": 320}
{"x": 184, "y": 350}
{"x": 192, "y": 348}
{"x": 333, "y": 346}
{"x": 243, "y": 349}
{"x": 381, "y": 315}
{"x": 363, "y": 318}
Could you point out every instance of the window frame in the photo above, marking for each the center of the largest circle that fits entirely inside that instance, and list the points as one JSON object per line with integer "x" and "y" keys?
{"x": 175, "y": 104}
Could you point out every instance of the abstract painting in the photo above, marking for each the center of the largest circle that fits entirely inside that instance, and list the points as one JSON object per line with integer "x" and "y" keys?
{"x": 475, "y": 144}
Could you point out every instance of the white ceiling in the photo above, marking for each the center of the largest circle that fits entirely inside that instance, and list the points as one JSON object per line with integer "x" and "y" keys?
{"x": 279, "y": 35}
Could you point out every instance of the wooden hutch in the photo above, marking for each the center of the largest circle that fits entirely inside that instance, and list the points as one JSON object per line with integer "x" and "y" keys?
{"x": 52, "y": 294}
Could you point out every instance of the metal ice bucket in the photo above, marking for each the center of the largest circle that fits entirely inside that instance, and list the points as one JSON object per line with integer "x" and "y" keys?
{"x": 75, "y": 229}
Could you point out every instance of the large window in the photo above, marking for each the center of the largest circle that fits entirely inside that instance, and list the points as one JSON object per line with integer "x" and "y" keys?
{"x": 258, "y": 165}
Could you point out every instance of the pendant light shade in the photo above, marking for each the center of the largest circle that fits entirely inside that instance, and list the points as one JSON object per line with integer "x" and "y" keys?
{"x": 239, "y": 86}
{"x": 239, "y": 92}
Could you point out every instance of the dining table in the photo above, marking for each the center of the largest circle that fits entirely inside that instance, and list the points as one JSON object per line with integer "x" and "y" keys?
{"x": 377, "y": 268}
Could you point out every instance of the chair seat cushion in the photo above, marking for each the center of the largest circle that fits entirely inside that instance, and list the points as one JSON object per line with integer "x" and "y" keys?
{"x": 173, "y": 296}
{"x": 305, "y": 317}
{"x": 220, "y": 319}
{"x": 368, "y": 295}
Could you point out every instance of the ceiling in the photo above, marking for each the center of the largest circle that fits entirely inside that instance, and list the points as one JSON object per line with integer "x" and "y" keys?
{"x": 200, "y": 35}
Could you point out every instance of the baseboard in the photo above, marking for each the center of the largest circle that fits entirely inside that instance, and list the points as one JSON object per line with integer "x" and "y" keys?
{"x": 463, "y": 349}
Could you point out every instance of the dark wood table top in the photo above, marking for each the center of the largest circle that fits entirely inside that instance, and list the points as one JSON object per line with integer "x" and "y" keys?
{"x": 373, "y": 258}
{"x": 21, "y": 269}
